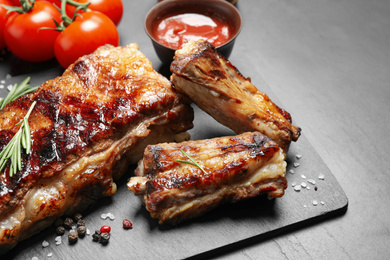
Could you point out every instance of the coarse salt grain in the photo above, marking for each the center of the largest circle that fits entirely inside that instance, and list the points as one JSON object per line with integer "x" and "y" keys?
{"x": 308, "y": 187}
{"x": 45, "y": 243}
{"x": 9, "y": 87}
{"x": 311, "y": 181}
{"x": 303, "y": 184}
{"x": 303, "y": 176}
{"x": 88, "y": 231}
{"x": 297, "y": 188}
{"x": 34, "y": 258}
{"x": 108, "y": 215}
{"x": 323, "y": 203}
{"x": 2, "y": 81}
{"x": 298, "y": 156}
{"x": 49, "y": 254}
{"x": 321, "y": 176}
{"x": 58, "y": 240}
{"x": 296, "y": 165}
{"x": 1, "y": 86}
{"x": 292, "y": 171}
{"x": 293, "y": 183}
{"x": 315, "y": 202}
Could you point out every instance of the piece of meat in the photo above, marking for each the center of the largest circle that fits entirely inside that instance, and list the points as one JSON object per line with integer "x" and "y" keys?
{"x": 218, "y": 88}
{"x": 237, "y": 167}
{"x": 88, "y": 125}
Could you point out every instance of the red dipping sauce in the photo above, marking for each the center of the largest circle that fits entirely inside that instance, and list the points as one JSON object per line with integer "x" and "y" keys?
{"x": 176, "y": 30}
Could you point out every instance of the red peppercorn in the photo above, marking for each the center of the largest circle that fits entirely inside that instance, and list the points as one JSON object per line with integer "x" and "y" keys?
{"x": 105, "y": 229}
{"x": 127, "y": 224}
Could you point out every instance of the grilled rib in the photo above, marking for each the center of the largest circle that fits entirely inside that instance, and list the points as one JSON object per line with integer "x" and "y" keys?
{"x": 237, "y": 167}
{"x": 218, "y": 88}
{"x": 88, "y": 125}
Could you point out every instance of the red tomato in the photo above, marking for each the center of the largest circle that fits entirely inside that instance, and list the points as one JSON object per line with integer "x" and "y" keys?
{"x": 15, "y": 2}
{"x": 69, "y": 9}
{"x": 112, "y": 8}
{"x": 88, "y": 32}
{"x": 25, "y": 37}
{"x": 3, "y": 19}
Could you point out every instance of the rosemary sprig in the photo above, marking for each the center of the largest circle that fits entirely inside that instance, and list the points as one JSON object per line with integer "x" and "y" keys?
{"x": 12, "y": 150}
{"x": 192, "y": 161}
{"x": 16, "y": 92}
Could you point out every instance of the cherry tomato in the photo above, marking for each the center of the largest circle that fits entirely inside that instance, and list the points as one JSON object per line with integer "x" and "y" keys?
{"x": 25, "y": 35}
{"x": 89, "y": 31}
{"x": 69, "y": 9}
{"x": 15, "y": 2}
{"x": 112, "y": 8}
{"x": 3, "y": 19}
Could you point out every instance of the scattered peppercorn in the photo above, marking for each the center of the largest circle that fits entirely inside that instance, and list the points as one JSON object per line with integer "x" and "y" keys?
{"x": 105, "y": 229}
{"x": 127, "y": 224}
{"x": 81, "y": 230}
{"x": 315, "y": 188}
{"x": 68, "y": 222}
{"x": 72, "y": 237}
{"x": 104, "y": 238}
{"x": 96, "y": 236}
{"x": 77, "y": 216}
{"x": 81, "y": 222}
{"x": 60, "y": 230}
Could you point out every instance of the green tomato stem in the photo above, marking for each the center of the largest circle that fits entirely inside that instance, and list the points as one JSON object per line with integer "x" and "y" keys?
{"x": 82, "y": 6}
{"x": 65, "y": 18}
{"x": 26, "y": 6}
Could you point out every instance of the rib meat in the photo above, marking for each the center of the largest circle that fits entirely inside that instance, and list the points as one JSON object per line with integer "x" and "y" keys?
{"x": 87, "y": 126}
{"x": 236, "y": 167}
{"x": 218, "y": 88}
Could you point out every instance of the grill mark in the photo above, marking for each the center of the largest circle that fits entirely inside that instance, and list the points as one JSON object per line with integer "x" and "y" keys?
{"x": 74, "y": 123}
{"x": 161, "y": 178}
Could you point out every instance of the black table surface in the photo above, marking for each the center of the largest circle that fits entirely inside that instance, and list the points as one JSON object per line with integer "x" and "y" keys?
{"x": 326, "y": 62}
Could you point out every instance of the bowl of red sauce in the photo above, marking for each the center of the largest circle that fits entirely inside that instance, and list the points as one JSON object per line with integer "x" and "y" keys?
{"x": 171, "y": 23}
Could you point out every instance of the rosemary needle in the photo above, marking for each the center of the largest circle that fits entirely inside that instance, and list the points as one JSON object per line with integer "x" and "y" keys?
{"x": 16, "y": 92}
{"x": 192, "y": 161}
{"x": 13, "y": 150}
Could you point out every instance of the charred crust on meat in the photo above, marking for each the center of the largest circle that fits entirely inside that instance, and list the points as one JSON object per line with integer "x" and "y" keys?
{"x": 155, "y": 151}
{"x": 196, "y": 71}
{"x": 85, "y": 112}
{"x": 237, "y": 167}
{"x": 80, "y": 67}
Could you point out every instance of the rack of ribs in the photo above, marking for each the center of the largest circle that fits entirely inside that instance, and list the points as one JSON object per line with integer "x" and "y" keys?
{"x": 88, "y": 125}
{"x": 234, "y": 168}
{"x": 218, "y": 88}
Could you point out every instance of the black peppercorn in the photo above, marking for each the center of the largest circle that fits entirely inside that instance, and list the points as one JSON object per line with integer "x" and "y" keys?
{"x": 104, "y": 237}
{"x": 60, "y": 230}
{"x": 72, "y": 237}
{"x": 81, "y": 222}
{"x": 81, "y": 230}
{"x": 77, "y": 216}
{"x": 68, "y": 222}
{"x": 96, "y": 236}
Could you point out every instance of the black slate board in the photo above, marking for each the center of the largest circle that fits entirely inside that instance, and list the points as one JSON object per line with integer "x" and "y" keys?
{"x": 227, "y": 228}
